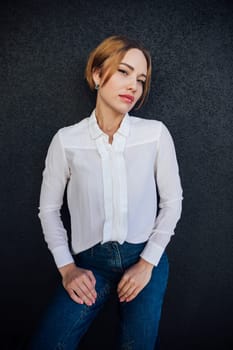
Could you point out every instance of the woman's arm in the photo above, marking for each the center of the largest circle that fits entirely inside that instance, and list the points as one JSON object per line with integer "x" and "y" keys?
{"x": 170, "y": 193}
{"x": 170, "y": 202}
{"x": 78, "y": 282}
{"x": 55, "y": 177}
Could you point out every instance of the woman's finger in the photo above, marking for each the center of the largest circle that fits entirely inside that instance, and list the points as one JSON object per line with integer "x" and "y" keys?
{"x": 75, "y": 297}
{"x": 85, "y": 294}
{"x": 88, "y": 287}
{"x": 133, "y": 295}
{"x": 126, "y": 293}
{"x": 91, "y": 277}
{"x": 125, "y": 290}
{"x": 122, "y": 284}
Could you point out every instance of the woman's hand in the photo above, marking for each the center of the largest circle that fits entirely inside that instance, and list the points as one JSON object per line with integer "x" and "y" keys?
{"x": 79, "y": 283}
{"x": 134, "y": 280}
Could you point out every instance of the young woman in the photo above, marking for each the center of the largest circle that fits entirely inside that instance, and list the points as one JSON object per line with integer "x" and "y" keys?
{"x": 113, "y": 166}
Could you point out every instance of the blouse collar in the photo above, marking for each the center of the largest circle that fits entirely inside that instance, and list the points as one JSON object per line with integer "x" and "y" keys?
{"x": 95, "y": 130}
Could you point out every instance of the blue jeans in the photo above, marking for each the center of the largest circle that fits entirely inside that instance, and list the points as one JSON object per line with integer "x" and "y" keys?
{"x": 65, "y": 321}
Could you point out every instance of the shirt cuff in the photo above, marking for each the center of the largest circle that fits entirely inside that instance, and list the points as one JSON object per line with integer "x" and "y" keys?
{"x": 152, "y": 253}
{"x": 62, "y": 256}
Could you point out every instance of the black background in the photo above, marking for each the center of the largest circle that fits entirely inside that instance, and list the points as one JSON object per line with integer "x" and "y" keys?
{"x": 44, "y": 46}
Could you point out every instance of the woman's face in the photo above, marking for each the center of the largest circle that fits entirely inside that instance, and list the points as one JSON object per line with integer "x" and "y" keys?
{"x": 122, "y": 91}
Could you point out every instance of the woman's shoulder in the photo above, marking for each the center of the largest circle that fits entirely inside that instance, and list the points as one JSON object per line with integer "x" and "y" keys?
{"x": 73, "y": 135}
{"x": 146, "y": 127}
{"x": 74, "y": 128}
{"x": 147, "y": 122}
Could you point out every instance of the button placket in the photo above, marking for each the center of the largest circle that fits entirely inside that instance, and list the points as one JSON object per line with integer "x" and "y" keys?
{"x": 115, "y": 188}
{"x": 107, "y": 184}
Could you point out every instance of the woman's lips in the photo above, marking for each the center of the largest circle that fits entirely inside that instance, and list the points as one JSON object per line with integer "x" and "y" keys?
{"x": 127, "y": 98}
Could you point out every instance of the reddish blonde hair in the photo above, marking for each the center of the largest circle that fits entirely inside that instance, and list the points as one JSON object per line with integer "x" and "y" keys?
{"x": 107, "y": 56}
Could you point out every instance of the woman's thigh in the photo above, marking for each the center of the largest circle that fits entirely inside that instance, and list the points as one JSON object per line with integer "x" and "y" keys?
{"x": 65, "y": 322}
{"x": 140, "y": 318}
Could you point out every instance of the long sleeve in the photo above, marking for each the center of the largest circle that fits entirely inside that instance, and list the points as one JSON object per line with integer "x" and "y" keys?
{"x": 170, "y": 198}
{"x": 55, "y": 177}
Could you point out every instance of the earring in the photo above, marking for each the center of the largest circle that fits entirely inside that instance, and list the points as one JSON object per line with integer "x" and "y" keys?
{"x": 97, "y": 86}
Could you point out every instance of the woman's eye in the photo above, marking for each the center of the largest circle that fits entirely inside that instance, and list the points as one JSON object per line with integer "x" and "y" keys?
{"x": 124, "y": 72}
{"x": 141, "y": 81}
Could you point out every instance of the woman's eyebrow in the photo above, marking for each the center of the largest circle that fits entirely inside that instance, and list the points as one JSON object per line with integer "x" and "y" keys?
{"x": 131, "y": 68}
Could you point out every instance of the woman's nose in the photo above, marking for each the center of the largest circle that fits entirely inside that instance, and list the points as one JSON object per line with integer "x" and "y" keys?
{"x": 132, "y": 85}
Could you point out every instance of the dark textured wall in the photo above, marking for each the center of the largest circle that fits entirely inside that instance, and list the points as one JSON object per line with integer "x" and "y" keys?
{"x": 44, "y": 46}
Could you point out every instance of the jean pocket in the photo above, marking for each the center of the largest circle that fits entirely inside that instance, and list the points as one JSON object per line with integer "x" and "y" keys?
{"x": 84, "y": 257}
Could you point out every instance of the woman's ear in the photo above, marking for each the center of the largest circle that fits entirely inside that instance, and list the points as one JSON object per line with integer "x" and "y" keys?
{"x": 96, "y": 76}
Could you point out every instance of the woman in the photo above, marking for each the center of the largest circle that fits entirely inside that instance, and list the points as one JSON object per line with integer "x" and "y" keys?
{"x": 112, "y": 164}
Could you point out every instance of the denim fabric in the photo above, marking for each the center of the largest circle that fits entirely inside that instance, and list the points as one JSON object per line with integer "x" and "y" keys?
{"x": 65, "y": 321}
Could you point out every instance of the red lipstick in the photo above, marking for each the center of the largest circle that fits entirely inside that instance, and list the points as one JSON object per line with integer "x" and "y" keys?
{"x": 127, "y": 98}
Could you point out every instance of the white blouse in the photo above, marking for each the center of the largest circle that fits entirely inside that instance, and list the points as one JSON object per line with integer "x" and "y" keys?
{"x": 111, "y": 188}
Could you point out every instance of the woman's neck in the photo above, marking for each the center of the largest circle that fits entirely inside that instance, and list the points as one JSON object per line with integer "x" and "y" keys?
{"x": 108, "y": 122}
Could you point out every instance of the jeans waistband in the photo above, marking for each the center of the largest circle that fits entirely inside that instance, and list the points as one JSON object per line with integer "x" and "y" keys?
{"x": 111, "y": 256}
